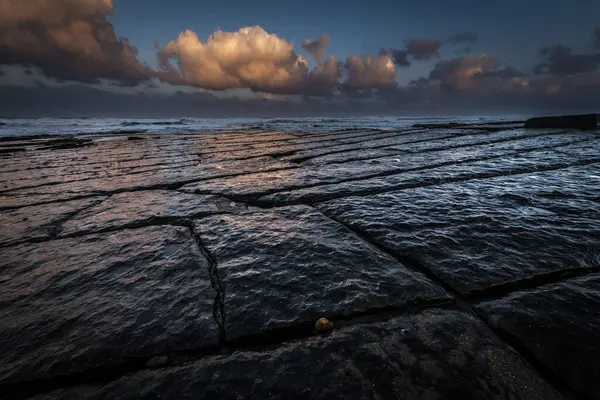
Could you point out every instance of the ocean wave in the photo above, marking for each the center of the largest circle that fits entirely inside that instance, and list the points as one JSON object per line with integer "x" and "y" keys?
{"x": 155, "y": 123}
{"x": 359, "y": 129}
{"x": 282, "y": 121}
{"x": 115, "y": 132}
{"x": 303, "y": 120}
{"x": 244, "y": 127}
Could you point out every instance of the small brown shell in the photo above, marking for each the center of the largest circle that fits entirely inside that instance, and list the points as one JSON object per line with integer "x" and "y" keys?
{"x": 323, "y": 325}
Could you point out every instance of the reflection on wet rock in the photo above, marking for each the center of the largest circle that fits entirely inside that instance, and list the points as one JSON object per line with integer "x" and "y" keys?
{"x": 38, "y": 223}
{"x": 474, "y": 235}
{"x": 215, "y": 264}
{"x": 131, "y": 209}
{"x": 289, "y": 266}
{"x": 73, "y": 305}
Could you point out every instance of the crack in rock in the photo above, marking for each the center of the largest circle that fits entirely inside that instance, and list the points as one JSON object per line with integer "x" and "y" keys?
{"x": 219, "y": 303}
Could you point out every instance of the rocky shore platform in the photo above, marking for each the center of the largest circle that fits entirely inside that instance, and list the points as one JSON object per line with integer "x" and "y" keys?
{"x": 454, "y": 262}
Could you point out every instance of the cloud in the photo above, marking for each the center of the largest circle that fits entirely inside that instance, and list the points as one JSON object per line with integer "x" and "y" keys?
{"x": 507, "y": 72}
{"x": 249, "y": 58}
{"x": 559, "y": 60}
{"x": 463, "y": 73}
{"x": 491, "y": 95}
{"x": 78, "y": 100}
{"x": 370, "y": 71}
{"x": 399, "y": 56}
{"x": 67, "y": 40}
{"x": 422, "y": 49}
{"x": 72, "y": 40}
{"x": 319, "y": 81}
{"x": 417, "y": 49}
{"x": 316, "y": 47}
{"x": 466, "y": 37}
{"x": 471, "y": 83}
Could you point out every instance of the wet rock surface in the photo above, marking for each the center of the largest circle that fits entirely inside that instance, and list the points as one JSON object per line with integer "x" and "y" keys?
{"x": 286, "y": 267}
{"x": 100, "y": 301}
{"x": 482, "y": 235}
{"x": 449, "y": 260}
{"x": 434, "y": 355}
{"x": 559, "y": 324}
{"x": 131, "y": 209}
{"x": 39, "y": 223}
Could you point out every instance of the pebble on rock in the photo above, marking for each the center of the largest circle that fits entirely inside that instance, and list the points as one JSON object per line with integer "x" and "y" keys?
{"x": 323, "y": 325}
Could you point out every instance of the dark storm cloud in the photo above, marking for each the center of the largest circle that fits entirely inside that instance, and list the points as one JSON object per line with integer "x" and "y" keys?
{"x": 561, "y": 61}
{"x": 75, "y": 100}
{"x": 422, "y": 49}
{"x": 400, "y": 56}
{"x": 422, "y": 81}
{"x": 462, "y": 73}
{"x": 494, "y": 95}
{"x": 501, "y": 73}
{"x": 417, "y": 49}
{"x": 317, "y": 47}
{"x": 596, "y": 38}
{"x": 67, "y": 40}
{"x": 423, "y": 97}
{"x": 353, "y": 93}
{"x": 466, "y": 37}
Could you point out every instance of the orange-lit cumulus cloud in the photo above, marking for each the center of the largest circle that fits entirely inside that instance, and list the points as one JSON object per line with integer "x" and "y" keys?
{"x": 370, "y": 71}
{"x": 67, "y": 39}
{"x": 249, "y": 58}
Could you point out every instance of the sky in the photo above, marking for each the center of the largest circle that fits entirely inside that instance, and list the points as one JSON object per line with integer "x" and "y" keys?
{"x": 267, "y": 57}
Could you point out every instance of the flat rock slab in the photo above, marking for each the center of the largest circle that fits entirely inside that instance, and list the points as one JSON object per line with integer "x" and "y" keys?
{"x": 434, "y": 355}
{"x": 432, "y": 169}
{"x": 310, "y": 183}
{"x": 478, "y": 234}
{"x": 286, "y": 267}
{"x": 73, "y": 305}
{"x": 133, "y": 209}
{"x": 39, "y": 222}
{"x": 162, "y": 176}
{"x": 559, "y": 324}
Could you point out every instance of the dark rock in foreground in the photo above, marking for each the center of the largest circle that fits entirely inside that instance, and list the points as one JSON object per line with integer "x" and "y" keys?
{"x": 560, "y": 325}
{"x": 93, "y": 308}
{"x": 286, "y": 267}
{"x": 582, "y": 122}
{"x": 73, "y": 305}
{"x": 433, "y": 355}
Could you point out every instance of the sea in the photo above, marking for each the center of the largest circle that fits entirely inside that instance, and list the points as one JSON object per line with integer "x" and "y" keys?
{"x": 37, "y": 126}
